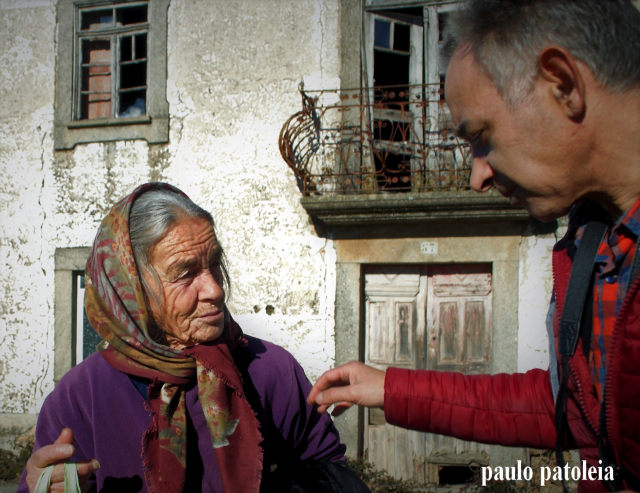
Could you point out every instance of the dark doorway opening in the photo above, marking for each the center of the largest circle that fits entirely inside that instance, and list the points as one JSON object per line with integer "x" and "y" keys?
{"x": 449, "y": 475}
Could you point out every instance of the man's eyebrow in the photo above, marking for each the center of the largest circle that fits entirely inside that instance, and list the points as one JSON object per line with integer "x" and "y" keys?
{"x": 468, "y": 130}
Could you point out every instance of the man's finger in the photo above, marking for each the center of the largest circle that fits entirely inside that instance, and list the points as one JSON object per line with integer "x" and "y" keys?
{"x": 336, "y": 377}
{"x": 336, "y": 394}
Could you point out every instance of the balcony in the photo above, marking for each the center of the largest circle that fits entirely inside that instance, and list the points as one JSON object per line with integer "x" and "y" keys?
{"x": 383, "y": 154}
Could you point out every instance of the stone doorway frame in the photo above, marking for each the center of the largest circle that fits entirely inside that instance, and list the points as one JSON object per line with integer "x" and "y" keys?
{"x": 353, "y": 255}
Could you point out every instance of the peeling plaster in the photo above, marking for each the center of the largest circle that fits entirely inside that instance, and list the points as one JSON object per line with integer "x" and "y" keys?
{"x": 26, "y": 151}
{"x": 535, "y": 286}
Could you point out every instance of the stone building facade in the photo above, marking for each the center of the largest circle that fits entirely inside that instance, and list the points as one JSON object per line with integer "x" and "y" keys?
{"x": 196, "y": 93}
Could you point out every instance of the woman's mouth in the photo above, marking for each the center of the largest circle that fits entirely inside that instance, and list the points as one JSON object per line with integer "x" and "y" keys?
{"x": 212, "y": 316}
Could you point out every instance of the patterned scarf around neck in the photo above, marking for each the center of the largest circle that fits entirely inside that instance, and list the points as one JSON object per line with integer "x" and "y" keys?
{"x": 116, "y": 308}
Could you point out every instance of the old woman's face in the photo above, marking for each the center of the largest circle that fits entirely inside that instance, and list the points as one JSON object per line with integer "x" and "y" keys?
{"x": 187, "y": 261}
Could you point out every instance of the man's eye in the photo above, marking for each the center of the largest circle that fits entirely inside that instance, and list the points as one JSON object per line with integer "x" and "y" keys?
{"x": 480, "y": 150}
{"x": 478, "y": 139}
{"x": 480, "y": 145}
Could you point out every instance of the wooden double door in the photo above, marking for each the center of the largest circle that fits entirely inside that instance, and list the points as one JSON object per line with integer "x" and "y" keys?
{"x": 435, "y": 317}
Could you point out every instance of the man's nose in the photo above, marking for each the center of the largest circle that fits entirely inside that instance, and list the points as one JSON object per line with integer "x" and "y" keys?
{"x": 481, "y": 174}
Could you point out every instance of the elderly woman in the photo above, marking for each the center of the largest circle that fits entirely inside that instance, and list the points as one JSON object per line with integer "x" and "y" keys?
{"x": 177, "y": 398}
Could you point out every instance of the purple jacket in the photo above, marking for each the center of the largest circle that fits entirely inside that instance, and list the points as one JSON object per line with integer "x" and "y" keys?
{"x": 108, "y": 416}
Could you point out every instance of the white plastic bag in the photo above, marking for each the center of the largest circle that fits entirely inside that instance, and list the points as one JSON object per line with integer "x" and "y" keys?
{"x": 71, "y": 483}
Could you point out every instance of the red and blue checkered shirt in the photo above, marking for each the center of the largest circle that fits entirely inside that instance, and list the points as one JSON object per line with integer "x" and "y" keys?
{"x": 613, "y": 268}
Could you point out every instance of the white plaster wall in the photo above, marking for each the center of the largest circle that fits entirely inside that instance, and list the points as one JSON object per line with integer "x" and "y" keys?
{"x": 27, "y": 64}
{"x": 233, "y": 72}
{"x": 232, "y": 83}
{"x": 535, "y": 286}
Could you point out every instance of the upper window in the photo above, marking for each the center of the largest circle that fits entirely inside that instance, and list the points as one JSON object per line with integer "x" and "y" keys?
{"x": 112, "y": 70}
{"x": 111, "y": 81}
{"x": 404, "y": 43}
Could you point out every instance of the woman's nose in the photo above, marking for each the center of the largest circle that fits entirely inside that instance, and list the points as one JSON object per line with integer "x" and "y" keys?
{"x": 481, "y": 174}
{"x": 210, "y": 288}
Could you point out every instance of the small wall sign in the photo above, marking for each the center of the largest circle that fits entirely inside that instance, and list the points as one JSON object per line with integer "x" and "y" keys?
{"x": 429, "y": 247}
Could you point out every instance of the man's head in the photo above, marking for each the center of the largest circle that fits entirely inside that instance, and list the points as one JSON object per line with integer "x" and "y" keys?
{"x": 525, "y": 85}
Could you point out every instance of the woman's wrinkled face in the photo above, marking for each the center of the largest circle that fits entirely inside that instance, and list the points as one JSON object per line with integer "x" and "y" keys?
{"x": 187, "y": 261}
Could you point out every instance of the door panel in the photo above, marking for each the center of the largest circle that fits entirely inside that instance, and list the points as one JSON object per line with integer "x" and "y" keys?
{"x": 459, "y": 318}
{"x": 451, "y": 307}
{"x": 379, "y": 332}
{"x": 404, "y": 331}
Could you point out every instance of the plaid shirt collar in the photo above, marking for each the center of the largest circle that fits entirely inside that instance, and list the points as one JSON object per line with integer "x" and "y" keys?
{"x": 613, "y": 253}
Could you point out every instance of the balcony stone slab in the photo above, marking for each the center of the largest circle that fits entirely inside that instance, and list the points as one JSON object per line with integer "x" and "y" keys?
{"x": 347, "y": 210}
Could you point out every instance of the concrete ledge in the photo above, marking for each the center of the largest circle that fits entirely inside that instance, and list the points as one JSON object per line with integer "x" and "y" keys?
{"x": 344, "y": 210}
{"x": 72, "y": 258}
{"x": 12, "y": 425}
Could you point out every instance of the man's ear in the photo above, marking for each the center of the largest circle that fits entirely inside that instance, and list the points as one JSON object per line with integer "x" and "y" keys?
{"x": 559, "y": 68}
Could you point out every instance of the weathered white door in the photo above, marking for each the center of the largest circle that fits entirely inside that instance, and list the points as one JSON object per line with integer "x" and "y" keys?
{"x": 425, "y": 317}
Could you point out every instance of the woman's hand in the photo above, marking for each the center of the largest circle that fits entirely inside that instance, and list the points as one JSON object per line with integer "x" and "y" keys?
{"x": 58, "y": 453}
{"x": 346, "y": 385}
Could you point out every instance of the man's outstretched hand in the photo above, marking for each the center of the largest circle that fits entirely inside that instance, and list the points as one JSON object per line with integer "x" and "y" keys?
{"x": 346, "y": 385}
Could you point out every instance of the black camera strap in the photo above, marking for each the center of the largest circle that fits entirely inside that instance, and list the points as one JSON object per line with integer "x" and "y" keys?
{"x": 580, "y": 282}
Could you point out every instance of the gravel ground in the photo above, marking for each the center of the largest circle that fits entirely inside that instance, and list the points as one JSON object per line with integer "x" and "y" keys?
{"x": 8, "y": 487}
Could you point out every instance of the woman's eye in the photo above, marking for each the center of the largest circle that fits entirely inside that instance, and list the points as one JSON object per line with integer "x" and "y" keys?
{"x": 185, "y": 275}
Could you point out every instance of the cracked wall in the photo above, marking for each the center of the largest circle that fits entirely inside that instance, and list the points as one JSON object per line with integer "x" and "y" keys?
{"x": 535, "y": 286}
{"x": 26, "y": 153}
{"x": 233, "y": 75}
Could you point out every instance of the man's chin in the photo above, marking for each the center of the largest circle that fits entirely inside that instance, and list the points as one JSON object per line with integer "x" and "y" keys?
{"x": 543, "y": 214}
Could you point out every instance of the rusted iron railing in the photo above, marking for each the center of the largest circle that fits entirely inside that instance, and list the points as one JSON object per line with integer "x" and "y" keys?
{"x": 382, "y": 139}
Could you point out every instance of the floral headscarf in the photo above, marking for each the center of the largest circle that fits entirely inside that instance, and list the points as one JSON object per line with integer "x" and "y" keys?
{"x": 116, "y": 308}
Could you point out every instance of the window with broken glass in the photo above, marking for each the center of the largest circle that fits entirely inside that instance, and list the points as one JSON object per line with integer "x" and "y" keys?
{"x": 111, "y": 61}
{"x": 111, "y": 81}
{"x": 403, "y": 68}
{"x": 394, "y": 132}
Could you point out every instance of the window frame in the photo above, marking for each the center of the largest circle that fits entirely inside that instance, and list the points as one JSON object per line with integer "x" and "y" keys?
{"x": 115, "y": 36}
{"x": 68, "y": 262}
{"x": 152, "y": 127}
{"x": 82, "y": 334}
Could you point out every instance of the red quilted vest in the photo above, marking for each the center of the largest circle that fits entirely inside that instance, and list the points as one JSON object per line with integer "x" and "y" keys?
{"x": 622, "y": 380}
